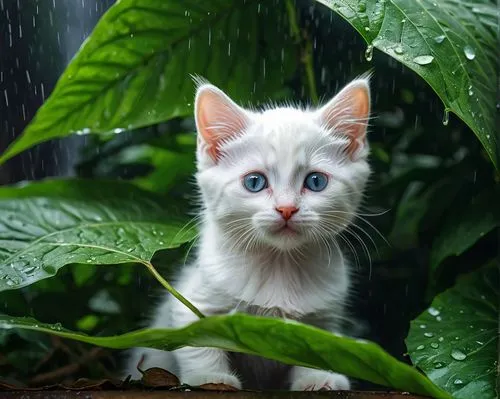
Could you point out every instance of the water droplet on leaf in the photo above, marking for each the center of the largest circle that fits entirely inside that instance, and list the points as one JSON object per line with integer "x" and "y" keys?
{"x": 30, "y": 270}
{"x": 433, "y": 311}
{"x": 458, "y": 381}
{"x": 420, "y": 347}
{"x": 399, "y": 50}
{"x": 457, "y": 354}
{"x": 469, "y": 52}
{"x": 434, "y": 345}
{"x": 428, "y": 334}
{"x": 423, "y": 59}
{"x": 439, "y": 39}
{"x": 439, "y": 365}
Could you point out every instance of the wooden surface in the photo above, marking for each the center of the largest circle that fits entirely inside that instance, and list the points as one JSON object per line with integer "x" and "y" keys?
{"x": 201, "y": 395}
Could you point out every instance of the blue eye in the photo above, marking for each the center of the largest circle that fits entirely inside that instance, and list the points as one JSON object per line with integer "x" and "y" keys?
{"x": 255, "y": 182}
{"x": 316, "y": 181}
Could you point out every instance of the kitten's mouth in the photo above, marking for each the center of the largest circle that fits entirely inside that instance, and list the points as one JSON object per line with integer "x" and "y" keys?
{"x": 286, "y": 230}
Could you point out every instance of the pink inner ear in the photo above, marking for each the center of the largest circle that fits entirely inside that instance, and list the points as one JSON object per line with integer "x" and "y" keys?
{"x": 218, "y": 119}
{"x": 347, "y": 114}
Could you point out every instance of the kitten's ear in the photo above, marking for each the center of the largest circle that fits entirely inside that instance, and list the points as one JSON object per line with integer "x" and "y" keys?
{"x": 347, "y": 114}
{"x": 218, "y": 119}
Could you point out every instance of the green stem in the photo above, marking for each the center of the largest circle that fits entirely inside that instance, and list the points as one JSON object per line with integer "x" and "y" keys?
{"x": 306, "y": 50}
{"x": 173, "y": 291}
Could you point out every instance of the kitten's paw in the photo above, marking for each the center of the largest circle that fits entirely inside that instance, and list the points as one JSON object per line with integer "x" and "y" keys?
{"x": 195, "y": 379}
{"x": 317, "y": 380}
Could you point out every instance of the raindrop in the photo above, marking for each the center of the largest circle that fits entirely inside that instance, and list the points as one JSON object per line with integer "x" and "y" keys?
{"x": 479, "y": 343}
{"x": 469, "y": 52}
{"x": 30, "y": 270}
{"x": 56, "y": 326}
{"x": 428, "y": 334}
{"x": 433, "y": 311}
{"x": 130, "y": 249}
{"x": 420, "y": 347}
{"x": 10, "y": 282}
{"x": 440, "y": 339}
{"x": 446, "y": 120}
{"x": 423, "y": 59}
{"x": 457, "y": 354}
{"x": 369, "y": 53}
{"x": 399, "y": 50}
{"x": 438, "y": 318}
{"x": 458, "y": 381}
{"x": 439, "y": 39}
{"x": 439, "y": 365}
{"x": 434, "y": 345}
{"x": 367, "y": 29}
{"x": 423, "y": 326}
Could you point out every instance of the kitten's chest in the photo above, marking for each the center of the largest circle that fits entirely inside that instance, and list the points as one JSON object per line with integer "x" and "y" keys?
{"x": 283, "y": 290}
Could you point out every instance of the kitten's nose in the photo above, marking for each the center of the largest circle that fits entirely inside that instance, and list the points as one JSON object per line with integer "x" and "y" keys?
{"x": 287, "y": 211}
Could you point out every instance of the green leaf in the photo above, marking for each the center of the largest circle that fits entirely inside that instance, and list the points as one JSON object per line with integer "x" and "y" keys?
{"x": 464, "y": 227}
{"x": 169, "y": 167}
{"x": 45, "y": 226}
{"x": 451, "y": 44}
{"x": 286, "y": 341}
{"x": 134, "y": 70}
{"x": 455, "y": 341}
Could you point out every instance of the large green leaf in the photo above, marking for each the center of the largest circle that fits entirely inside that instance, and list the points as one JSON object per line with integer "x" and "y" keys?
{"x": 455, "y": 342}
{"x": 134, "y": 70}
{"x": 45, "y": 226}
{"x": 451, "y": 44}
{"x": 464, "y": 227}
{"x": 286, "y": 341}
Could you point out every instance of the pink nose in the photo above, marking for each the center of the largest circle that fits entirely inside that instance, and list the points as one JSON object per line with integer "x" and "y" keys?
{"x": 287, "y": 211}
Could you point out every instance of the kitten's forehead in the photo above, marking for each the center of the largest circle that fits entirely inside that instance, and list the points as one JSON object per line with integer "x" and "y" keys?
{"x": 290, "y": 136}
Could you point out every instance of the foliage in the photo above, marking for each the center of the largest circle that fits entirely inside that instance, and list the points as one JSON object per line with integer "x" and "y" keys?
{"x": 433, "y": 191}
{"x": 286, "y": 341}
{"x": 450, "y": 44}
{"x": 455, "y": 341}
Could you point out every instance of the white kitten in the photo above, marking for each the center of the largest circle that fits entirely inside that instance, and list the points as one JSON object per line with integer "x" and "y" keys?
{"x": 277, "y": 187}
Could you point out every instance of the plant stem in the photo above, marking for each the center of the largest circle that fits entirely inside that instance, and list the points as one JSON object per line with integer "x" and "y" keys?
{"x": 173, "y": 291}
{"x": 305, "y": 46}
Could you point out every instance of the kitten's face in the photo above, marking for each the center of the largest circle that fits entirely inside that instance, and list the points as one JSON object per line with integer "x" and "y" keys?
{"x": 284, "y": 180}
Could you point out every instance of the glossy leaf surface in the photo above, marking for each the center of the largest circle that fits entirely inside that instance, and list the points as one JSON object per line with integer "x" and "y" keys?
{"x": 45, "y": 226}
{"x": 286, "y": 341}
{"x": 455, "y": 342}
{"x": 451, "y": 44}
{"x": 136, "y": 67}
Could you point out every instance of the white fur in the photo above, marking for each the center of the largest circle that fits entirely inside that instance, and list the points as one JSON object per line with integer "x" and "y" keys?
{"x": 242, "y": 264}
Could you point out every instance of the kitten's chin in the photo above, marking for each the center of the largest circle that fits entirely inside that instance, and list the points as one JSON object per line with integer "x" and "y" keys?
{"x": 284, "y": 239}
